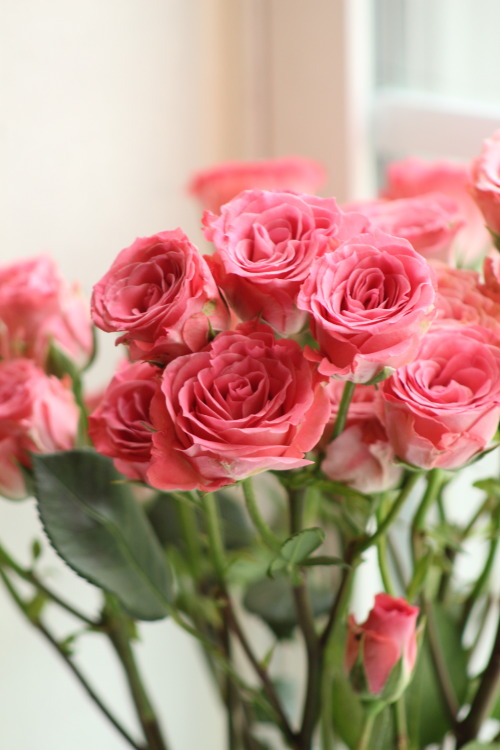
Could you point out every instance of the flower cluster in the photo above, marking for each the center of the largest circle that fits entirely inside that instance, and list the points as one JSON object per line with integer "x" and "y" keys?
{"x": 345, "y": 345}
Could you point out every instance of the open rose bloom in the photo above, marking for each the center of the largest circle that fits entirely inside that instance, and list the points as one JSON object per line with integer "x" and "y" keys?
{"x": 300, "y": 397}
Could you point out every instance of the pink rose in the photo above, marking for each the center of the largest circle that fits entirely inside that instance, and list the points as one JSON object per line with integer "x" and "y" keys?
{"x": 491, "y": 272}
{"x": 485, "y": 182}
{"x": 219, "y": 184}
{"x": 245, "y": 404}
{"x": 429, "y": 222}
{"x": 265, "y": 245}
{"x": 386, "y": 638}
{"x": 361, "y": 456}
{"x": 121, "y": 426}
{"x": 37, "y": 307}
{"x": 411, "y": 177}
{"x": 443, "y": 409}
{"x": 38, "y": 414}
{"x": 461, "y": 298}
{"x": 160, "y": 293}
{"x": 370, "y": 302}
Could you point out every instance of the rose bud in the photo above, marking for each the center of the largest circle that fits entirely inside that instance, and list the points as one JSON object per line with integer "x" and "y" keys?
{"x": 219, "y": 184}
{"x": 266, "y": 243}
{"x": 485, "y": 179}
{"x": 381, "y": 652}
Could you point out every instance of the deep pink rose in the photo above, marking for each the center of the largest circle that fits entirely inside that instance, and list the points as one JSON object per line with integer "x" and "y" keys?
{"x": 361, "y": 456}
{"x": 38, "y": 414}
{"x": 160, "y": 293}
{"x": 121, "y": 426}
{"x": 245, "y": 404}
{"x": 411, "y": 177}
{"x": 37, "y": 307}
{"x": 370, "y": 302}
{"x": 429, "y": 222}
{"x": 219, "y": 184}
{"x": 443, "y": 409}
{"x": 265, "y": 245}
{"x": 387, "y": 636}
{"x": 485, "y": 182}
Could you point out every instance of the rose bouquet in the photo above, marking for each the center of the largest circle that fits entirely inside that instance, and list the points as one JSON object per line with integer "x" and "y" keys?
{"x": 297, "y": 405}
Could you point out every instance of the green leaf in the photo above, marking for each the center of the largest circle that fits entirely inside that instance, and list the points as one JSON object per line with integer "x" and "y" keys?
{"x": 428, "y": 719}
{"x": 481, "y": 746}
{"x": 296, "y": 550}
{"x": 272, "y": 600}
{"x": 95, "y": 524}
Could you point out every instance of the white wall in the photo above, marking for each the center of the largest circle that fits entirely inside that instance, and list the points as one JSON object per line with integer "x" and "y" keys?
{"x": 100, "y": 128}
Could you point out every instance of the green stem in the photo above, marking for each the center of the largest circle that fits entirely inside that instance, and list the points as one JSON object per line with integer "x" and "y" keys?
{"x": 45, "y": 632}
{"x": 482, "y": 580}
{"x": 305, "y": 619}
{"x": 266, "y": 533}
{"x": 366, "y": 731}
{"x": 215, "y": 541}
{"x": 400, "y": 722}
{"x": 434, "y": 480}
{"x": 340, "y": 601}
{"x": 440, "y": 667}
{"x": 345, "y": 402}
{"x": 117, "y": 626}
{"x": 191, "y": 534}
{"x": 393, "y": 513}
{"x": 29, "y": 576}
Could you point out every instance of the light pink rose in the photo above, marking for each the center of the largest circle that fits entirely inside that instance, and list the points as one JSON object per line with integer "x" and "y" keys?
{"x": 219, "y": 184}
{"x": 265, "y": 245}
{"x": 485, "y": 182}
{"x": 361, "y": 456}
{"x": 443, "y": 409}
{"x": 245, "y": 404}
{"x": 38, "y": 414}
{"x": 121, "y": 426}
{"x": 411, "y": 177}
{"x": 37, "y": 307}
{"x": 387, "y": 636}
{"x": 160, "y": 293}
{"x": 429, "y": 222}
{"x": 370, "y": 302}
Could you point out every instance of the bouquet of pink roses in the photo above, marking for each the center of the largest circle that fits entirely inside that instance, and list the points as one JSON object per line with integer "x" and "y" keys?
{"x": 303, "y": 396}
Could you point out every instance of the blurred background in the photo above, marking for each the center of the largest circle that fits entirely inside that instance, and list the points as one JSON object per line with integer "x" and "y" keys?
{"x": 108, "y": 106}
